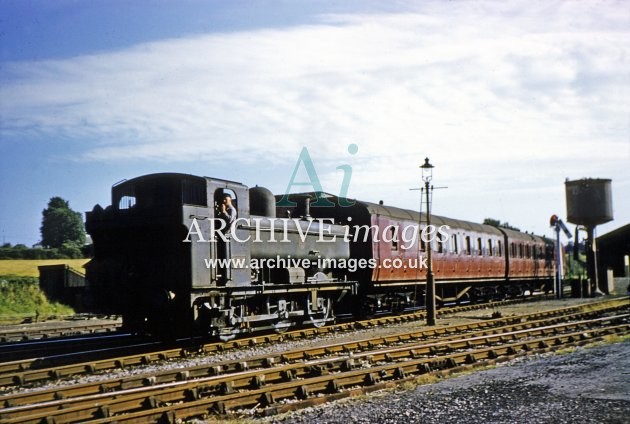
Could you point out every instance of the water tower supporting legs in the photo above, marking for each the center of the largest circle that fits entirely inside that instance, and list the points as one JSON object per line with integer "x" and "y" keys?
{"x": 591, "y": 260}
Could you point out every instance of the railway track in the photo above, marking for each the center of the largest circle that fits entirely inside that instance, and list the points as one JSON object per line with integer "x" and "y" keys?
{"x": 60, "y": 348}
{"x": 24, "y": 332}
{"x": 43, "y": 368}
{"x": 294, "y": 379}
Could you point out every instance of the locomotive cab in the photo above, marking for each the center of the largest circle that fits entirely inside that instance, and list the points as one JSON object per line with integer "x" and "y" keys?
{"x": 141, "y": 269}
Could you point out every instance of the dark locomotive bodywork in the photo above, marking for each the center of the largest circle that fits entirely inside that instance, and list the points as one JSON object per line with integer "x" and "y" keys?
{"x": 156, "y": 260}
{"x": 164, "y": 260}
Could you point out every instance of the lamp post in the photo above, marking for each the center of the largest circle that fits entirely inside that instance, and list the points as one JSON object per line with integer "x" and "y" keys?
{"x": 427, "y": 175}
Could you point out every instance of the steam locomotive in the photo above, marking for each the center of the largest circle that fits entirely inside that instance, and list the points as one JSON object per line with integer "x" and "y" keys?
{"x": 166, "y": 260}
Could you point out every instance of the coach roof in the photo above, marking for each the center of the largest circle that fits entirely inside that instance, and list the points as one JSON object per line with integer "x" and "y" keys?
{"x": 409, "y": 215}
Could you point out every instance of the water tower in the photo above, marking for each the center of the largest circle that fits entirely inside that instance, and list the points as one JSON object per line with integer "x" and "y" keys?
{"x": 589, "y": 203}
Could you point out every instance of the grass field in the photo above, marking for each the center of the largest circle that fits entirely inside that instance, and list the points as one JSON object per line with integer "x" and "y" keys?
{"x": 28, "y": 268}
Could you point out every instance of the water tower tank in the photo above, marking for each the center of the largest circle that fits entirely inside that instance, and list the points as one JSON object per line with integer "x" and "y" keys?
{"x": 589, "y": 201}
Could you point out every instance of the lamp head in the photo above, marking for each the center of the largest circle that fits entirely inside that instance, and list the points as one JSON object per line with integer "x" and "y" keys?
{"x": 427, "y": 171}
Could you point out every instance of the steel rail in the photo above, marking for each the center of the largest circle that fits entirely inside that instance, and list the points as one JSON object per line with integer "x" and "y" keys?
{"x": 88, "y": 407}
{"x": 264, "y": 361}
{"x": 20, "y": 373}
{"x": 64, "y": 346}
{"x": 332, "y": 384}
{"x": 416, "y": 374}
{"x": 11, "y": 335}
{"x": 328, "y": 376}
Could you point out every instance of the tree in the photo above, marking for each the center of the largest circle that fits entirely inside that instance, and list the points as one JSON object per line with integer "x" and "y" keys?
{"x": 492, "y": 221}
{"x": 61, "y": 225}
{"x": 498, "y": 223}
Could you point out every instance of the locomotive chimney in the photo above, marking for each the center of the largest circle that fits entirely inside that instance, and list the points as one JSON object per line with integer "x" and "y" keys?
{"x": 307, "y": 207}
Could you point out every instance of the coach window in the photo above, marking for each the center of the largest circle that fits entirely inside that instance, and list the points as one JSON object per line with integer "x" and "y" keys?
{"x": 394, "y": 237}
{"x": 490, "y": 253}
{"x": 499, "y": 248}
{"x": 512, "y": 250}
{"x": 454, "y": 243}
{"x": 549, "y": 251}
{"x": 520, "y": 250}
{"x": 440, "y": 246}
{"x": 423, "y": 245}
{"x": 479, "y": 246}
{"x": 468, "y": 246}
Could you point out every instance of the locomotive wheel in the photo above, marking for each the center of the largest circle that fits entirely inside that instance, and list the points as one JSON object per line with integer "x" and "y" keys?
{"x": 227, "y": 337}
{"x": 320, "y": 316}
{"x": 282, "y": 325}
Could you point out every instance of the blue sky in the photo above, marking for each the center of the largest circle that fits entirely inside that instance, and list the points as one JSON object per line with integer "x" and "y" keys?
{"x": 508, "y": 99}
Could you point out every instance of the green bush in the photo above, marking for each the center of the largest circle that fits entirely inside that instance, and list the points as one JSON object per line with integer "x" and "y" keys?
{"x": 575, "y": 268}
{"x": 38, "y": 253}
{"x": 21, "y": 296}
{"x": 71, "y": 250}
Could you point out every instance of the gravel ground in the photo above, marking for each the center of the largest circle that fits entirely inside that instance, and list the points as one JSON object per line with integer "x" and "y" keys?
{"x": 589, "y": 385}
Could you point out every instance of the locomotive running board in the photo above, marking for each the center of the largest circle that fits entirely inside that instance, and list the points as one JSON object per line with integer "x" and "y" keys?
{"x": 328, "y": 286}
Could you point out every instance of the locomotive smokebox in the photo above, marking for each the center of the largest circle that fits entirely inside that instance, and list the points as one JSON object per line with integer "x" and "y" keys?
{"x": 589, "y": 201}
